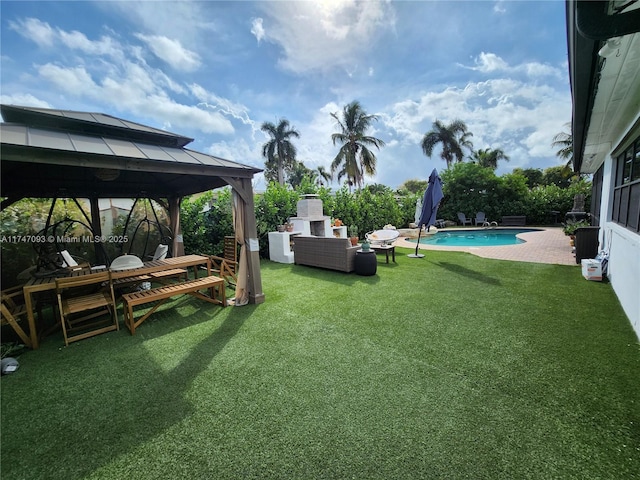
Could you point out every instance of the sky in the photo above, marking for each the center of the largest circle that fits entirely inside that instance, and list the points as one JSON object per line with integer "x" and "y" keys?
{"x": 215, "y": 71}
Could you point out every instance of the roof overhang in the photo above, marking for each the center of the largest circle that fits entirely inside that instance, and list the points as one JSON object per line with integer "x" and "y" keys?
{"x": 605, "y": 87}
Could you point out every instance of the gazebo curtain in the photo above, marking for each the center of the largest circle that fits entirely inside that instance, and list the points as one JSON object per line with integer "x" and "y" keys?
{"x": 242, "y": 294}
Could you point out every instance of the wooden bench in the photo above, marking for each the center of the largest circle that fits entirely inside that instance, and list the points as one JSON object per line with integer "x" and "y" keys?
{"x": 215, "y": 285}
{"x": 514, "y": 220}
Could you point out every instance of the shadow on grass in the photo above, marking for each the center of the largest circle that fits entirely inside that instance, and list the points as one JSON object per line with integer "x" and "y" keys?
{"x": 472, "y": 274}
{"x": 129, "y": 395}
{"x": 333, "y": 276}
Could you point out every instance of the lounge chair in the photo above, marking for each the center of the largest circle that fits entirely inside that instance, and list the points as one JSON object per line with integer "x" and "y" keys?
{"x": 480, "y": 218}
{"x": 463, "y": 219}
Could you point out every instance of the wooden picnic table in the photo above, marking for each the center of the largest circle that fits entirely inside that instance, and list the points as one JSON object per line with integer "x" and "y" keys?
{"x": 43, "y": 284}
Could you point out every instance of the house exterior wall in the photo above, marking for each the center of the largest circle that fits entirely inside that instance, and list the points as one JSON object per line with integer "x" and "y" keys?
{"x": 624, "y": 270}
{"x": 622, "y": 244}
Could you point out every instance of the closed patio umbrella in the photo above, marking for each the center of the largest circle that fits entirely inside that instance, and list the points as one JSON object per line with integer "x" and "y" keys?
{"x": 432, "y": 197}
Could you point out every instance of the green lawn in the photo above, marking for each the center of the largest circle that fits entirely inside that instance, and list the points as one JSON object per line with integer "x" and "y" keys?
{"x": 451, "y": 366}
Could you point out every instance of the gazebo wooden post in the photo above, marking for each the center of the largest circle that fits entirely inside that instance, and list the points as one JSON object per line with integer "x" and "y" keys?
{"x": 174, "y": 225}
{"x": 254, "y": 281}
{"x": 256, "y": 295}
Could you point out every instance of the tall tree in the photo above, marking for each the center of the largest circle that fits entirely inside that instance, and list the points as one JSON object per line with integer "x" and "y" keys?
{"x": 354, "y": 159}
{"x": 413, "y": 186}
{"x": 323, "y": 175}
{"x": 298, "y": 173}
{"x": 453, "y": 138}
{"x": 489, "y": 158}
{"x": 563, "y": 141}
{"x": 279, "y": 150}
{"x": 533, "y": 175}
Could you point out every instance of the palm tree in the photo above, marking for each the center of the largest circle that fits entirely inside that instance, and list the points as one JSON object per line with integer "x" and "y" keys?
{"x": 563, "y": 141}
{"x": 452, "y": 137}
{"x": 354, "y": 160}
{"x": 488, "y": 158}
{"x": 298, "y": 173}
{"x": 279, "y": 150}
{"x": 323, "y": 175}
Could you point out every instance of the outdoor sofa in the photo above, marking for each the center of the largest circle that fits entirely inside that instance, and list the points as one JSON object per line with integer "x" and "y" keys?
{"x": 324, "y": 252}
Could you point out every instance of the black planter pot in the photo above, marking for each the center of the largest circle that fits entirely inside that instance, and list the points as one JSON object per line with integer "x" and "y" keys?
{"x": 586, "y": 243}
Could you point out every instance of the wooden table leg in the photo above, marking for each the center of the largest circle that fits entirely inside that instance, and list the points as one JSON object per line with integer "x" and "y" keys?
{"x": 28, "y": 302}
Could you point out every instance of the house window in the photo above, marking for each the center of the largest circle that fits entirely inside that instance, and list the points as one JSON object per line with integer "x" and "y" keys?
{"x": 626, "y": 193}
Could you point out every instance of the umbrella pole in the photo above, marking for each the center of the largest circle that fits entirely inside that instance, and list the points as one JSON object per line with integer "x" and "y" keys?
{"x": 417, "y": 255}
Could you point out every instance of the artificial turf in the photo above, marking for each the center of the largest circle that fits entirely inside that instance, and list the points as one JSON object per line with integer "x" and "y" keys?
{"x": 451, "y": 366}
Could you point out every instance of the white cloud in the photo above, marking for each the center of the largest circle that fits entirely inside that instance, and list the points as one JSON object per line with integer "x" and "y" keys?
{"x": 499, "y": 7}
{"x": 238, "y": 150}
{"x": 489, "y": 62}
{"x": 132, "y": 88}
{"x": 171, "y": 52}
{"x": 325, "y": 35}
{"x": 223, "y": 106}
{"x": 45, "y": 36}
{"x": 257, "y": 29}
{"x": 24, "y": 99}
{"x": 33, "y": 29}
{"x": 78, "y": 41}
{"x": 67, "y": 79}
{"x": 186, "y": 20}
{"x": 492, "y": 63}
{"x": 540, "y": 70}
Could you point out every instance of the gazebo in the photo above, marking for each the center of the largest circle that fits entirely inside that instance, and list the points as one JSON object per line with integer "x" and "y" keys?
{"x": 47, "y": 153}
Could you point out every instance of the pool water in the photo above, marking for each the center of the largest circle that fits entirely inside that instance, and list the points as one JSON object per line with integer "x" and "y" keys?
{"x": 474, "y": 238}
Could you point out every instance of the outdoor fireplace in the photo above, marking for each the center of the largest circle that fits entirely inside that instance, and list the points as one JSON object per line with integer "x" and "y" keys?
{"x": 311, "y": 219}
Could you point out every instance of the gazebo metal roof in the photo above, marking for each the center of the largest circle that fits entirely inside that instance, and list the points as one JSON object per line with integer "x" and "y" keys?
{"x": 49, "y": 153}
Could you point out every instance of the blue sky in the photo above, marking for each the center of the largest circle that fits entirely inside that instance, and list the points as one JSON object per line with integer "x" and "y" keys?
{"x": 214, "y": 71}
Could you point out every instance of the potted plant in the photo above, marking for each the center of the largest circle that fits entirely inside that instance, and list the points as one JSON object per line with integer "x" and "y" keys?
{"x": 289, "y": 225}
{"x": 353, "y": 234}
{"x": 571, "y": 226}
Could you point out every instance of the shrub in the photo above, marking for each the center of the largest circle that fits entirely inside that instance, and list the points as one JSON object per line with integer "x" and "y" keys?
{"x": 206, "y": 219}
{"x": 273, "y": 208}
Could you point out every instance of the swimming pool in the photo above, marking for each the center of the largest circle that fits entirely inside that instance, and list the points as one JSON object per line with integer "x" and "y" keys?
{"x": 490, "y": 237}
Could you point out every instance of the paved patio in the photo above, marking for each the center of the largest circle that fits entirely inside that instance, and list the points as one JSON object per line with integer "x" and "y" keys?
{"x": 550, "y": 245}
